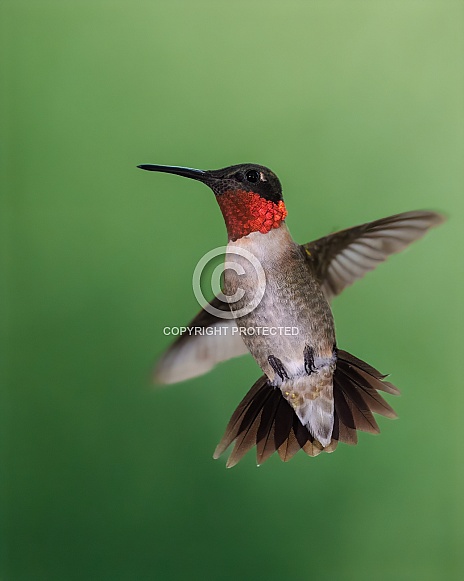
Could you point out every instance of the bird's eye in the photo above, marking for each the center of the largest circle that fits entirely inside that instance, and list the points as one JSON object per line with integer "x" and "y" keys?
{"x": 252, "y": 176}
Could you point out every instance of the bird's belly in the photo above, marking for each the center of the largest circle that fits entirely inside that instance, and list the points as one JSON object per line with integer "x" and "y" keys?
{"x": 292, "y": 315}
{"x": 283, "y": 328}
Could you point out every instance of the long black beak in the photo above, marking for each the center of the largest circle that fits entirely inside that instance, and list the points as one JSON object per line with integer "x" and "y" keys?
{"x": 186, "y": 172}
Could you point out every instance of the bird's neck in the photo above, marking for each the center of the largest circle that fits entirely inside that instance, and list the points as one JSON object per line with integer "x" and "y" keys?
{"x": 246, "y": 212}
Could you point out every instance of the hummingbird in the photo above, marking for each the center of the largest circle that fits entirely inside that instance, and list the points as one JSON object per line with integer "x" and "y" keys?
{"x": 312, "y": 394}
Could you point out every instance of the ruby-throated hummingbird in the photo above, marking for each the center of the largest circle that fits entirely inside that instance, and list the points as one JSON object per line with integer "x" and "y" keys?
{"x": 312, "y": 394}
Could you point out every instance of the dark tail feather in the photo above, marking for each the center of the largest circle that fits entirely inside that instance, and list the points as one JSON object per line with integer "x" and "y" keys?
{"x": 264, "y": 417}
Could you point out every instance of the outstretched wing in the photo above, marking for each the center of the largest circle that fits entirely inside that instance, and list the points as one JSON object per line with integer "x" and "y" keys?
{"x": 338, "y": 260}
{"x": 343, "y": 257}
{"x": 208, "y": 340}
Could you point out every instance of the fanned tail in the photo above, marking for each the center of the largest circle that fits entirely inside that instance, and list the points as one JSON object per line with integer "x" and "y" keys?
{"x": 266, "y": 420}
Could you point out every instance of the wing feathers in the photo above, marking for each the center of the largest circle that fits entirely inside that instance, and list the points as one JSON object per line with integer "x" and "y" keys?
{"x": 207, "y": 341}
{"x": 342, "y": 258}
{"x": 337, "y": 260}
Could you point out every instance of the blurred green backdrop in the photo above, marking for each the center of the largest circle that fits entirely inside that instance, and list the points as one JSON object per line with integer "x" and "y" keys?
{"x": 358, "y": 107}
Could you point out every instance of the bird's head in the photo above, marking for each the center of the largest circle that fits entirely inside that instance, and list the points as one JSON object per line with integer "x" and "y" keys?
{"x": 249, "y": 195}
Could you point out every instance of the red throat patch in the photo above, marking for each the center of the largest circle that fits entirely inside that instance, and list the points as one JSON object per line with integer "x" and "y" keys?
{"x": 246, "y": 212}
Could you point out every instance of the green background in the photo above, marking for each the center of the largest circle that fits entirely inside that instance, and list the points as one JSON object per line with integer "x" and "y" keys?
{"x": 357, "y": 106}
